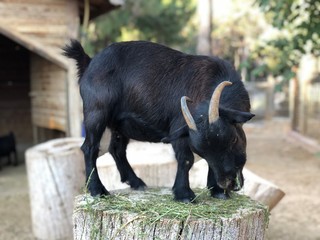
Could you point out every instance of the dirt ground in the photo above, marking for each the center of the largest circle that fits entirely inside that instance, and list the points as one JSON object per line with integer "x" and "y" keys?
{"x": 270, "y": 154}
{"x": 283, "y": 161}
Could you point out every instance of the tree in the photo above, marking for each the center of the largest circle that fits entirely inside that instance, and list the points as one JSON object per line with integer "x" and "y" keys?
{"x": 299, "y": 25}
{"x": 162, "y": 21}
{"x": 204, "y": 45}
{"x": 300, "y": 19}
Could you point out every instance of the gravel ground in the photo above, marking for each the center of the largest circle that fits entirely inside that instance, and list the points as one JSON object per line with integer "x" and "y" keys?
{"x": 270, "y": 155}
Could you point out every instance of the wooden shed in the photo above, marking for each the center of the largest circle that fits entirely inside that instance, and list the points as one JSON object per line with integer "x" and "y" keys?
{"x": 39, "y": 96}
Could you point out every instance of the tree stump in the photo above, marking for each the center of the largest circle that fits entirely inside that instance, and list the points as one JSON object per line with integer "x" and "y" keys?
{"x": 56, "y": 175}
{"x": 153, "y": 214}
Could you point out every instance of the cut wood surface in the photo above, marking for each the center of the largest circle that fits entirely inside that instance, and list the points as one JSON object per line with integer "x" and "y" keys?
{"x": 153, "y": 214}
{"x": 56, "y": 175}
{"x": 261, "y": 189}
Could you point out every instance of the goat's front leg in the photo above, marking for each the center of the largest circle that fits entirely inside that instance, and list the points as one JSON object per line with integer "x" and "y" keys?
{"x": 117, "y": 148}
{"x": 215, "y": 190}
{"x": 181, "y": 188}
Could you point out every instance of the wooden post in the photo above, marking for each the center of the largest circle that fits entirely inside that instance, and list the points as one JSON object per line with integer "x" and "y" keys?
{"x": 294, "y": 102}
{"x": 56, "y": 175}
{"x": 307, "y": 71}
{"x": 153, "y": 214}
{"x": 74, "y": 103}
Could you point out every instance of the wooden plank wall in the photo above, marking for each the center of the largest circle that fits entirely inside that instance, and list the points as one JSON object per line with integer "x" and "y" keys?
{"x": 52, "y": 22}
{"x": 48, "y": 94}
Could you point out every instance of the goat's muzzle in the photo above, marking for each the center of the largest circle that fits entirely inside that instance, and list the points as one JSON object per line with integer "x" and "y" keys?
{"x": 232, "y": 184}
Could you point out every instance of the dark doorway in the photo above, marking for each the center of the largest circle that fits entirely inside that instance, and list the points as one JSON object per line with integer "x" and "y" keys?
{"x": 15, "y": 107}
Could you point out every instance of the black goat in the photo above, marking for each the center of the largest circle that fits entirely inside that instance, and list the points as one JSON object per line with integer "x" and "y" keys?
{"x": 135, "y": 89}
{"x": 7, "y": 147}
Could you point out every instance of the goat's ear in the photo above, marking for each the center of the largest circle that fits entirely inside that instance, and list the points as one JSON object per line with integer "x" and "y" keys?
{"x": 235, "y": 116}
{"x": 179, "y": 133}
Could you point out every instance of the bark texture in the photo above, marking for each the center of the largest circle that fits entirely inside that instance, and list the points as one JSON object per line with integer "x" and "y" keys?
{"x": 101, "y": 219}
{"x": 56, "y": 175}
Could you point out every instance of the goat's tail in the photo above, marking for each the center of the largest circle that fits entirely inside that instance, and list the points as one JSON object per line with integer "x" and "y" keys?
{"x": 75, "y": 51}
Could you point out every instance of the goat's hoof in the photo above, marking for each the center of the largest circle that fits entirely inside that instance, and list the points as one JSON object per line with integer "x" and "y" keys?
{"x": 221, "y": 195}
{"x": 137, "y": 184}
{"x": 140, "y": 188}
{"x": 186, "y": 196}
{"x": 186, "y": 200}
{"x": 99, "y": 192}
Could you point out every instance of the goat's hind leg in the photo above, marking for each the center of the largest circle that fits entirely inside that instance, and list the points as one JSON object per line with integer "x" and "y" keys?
{"x": 117, "y": 149}
{"x": 94, "y": 184}
{"x": 94, "y": 130}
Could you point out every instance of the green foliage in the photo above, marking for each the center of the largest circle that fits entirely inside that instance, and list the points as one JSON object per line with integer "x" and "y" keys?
{"x": 162, "y": 21}
{"x": 301, "y": 20}
{"x": 299, "y": 25}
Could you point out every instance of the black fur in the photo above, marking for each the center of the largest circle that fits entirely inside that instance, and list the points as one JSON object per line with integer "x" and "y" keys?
{"x": 134, "y": 89}
{"x": 76, "y": 51}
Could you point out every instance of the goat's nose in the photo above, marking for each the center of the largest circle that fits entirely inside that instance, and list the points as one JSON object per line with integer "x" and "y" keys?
{"x": 226, "y": 184}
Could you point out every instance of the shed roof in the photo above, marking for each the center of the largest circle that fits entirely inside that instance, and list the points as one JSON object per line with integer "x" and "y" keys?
{"x": 47, "y": 52}
{"x": 98, "y": 7}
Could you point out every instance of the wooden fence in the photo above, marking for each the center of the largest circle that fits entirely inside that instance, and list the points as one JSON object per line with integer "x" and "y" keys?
{"x": 305, "y": 98}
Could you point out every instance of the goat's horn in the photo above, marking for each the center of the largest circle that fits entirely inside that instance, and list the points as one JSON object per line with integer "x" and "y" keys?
{"x": 214, "y": 102}
{"x": 186, "y": 113}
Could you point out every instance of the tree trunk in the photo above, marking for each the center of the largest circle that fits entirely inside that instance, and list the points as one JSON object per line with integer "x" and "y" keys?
{"x": 153, "y": 214}
{"x": 204, "y": 10}
{"x": 56, "y": 175}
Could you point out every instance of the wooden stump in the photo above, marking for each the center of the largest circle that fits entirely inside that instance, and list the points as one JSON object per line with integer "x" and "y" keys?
{"x": 56, "y": 175}
{"x": 153, "y": 214}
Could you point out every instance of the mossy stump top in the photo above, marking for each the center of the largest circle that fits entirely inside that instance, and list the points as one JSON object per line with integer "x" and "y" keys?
{"x": 153, "y": 214}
